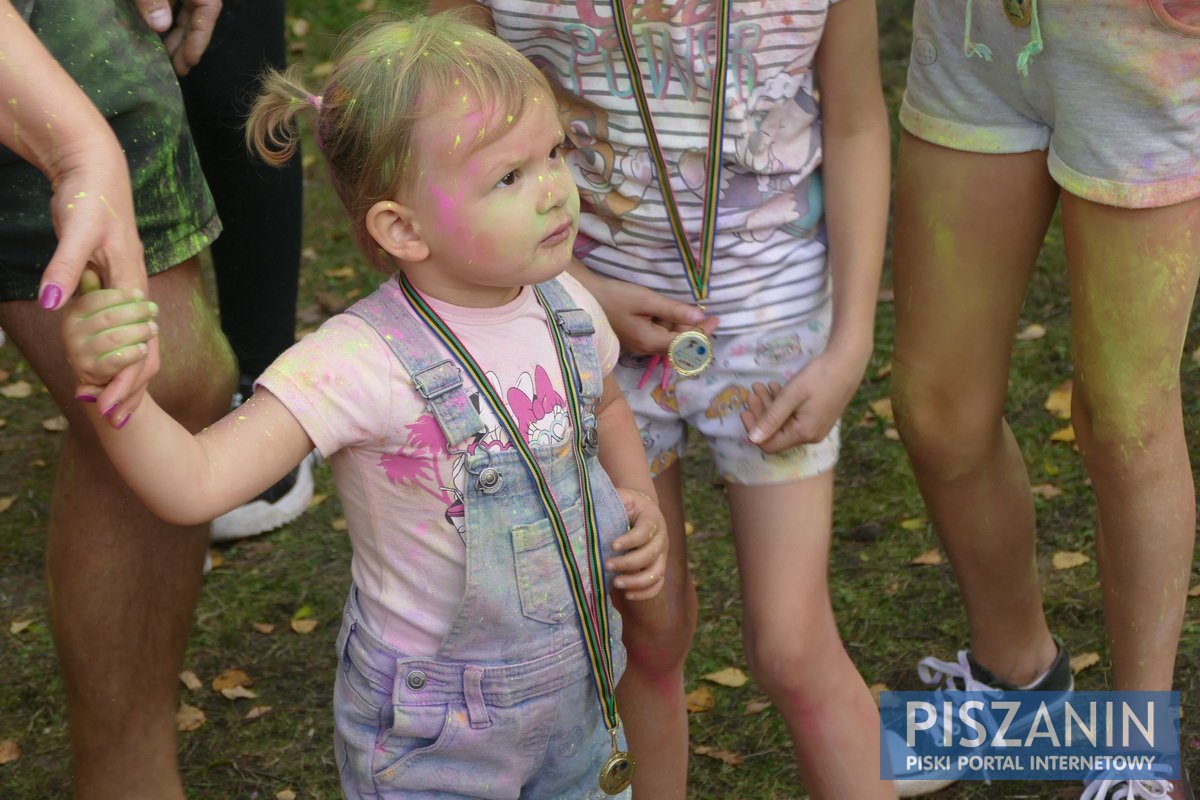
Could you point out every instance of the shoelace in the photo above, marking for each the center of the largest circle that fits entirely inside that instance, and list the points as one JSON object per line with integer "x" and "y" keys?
{"x": 1126, "y": 789}
{"x": 933, "y": 671}
{"x": 1035, "y": 46}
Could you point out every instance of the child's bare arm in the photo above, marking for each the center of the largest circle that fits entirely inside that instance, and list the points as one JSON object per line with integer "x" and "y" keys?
{"x": 185, "y": 479}
{"x": 642, "y": 562}
{"x": 854, "y": 129}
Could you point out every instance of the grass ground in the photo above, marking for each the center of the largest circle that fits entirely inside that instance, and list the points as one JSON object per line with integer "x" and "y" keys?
{"x": 891, "y": 611}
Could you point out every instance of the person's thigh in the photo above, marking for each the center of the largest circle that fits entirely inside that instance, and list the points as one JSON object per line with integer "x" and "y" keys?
{"x": 968, "y": 228}
{"x": 1133, "y": 278}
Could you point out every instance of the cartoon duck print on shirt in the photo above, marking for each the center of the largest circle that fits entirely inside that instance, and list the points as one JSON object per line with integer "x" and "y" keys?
{"x": 428, "y": 463}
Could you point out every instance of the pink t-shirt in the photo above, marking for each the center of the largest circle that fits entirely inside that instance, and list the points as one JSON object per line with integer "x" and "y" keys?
{"x": 400, "y": 487}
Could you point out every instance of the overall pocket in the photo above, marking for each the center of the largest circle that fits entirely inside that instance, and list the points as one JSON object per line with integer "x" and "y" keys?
{"x": 541, "y": 578}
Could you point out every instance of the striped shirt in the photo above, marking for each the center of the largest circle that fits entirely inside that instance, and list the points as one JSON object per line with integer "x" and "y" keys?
{"x": 769, "y": 262}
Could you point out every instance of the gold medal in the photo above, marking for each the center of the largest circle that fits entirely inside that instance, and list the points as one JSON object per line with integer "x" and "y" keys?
{"x": 1018, "y": 12}
{"x": 690, "y": 353}
{"x": 617, "y": 772}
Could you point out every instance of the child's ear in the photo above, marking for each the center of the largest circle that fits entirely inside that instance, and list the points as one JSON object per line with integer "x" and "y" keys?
{"x": 393, "y": 226}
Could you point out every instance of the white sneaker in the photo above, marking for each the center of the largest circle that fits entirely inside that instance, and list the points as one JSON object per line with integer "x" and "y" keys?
{"x": 274, "y": 508}
{"x": 1131, "y": 789}
{"x": 967, "y": 675}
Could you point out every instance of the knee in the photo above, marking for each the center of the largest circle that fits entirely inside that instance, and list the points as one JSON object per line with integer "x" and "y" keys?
{"x": 1117, "y": 429}
{"x": 943, "y": 432}
{"x": 196, "y": 384}
{"x": 782, "y": 662}
{"x": 658, "y": 638}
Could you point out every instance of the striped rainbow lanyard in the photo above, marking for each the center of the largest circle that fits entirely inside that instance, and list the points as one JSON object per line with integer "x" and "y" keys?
{"x": 591, "y": 610}
{"x": 698, "y": 268}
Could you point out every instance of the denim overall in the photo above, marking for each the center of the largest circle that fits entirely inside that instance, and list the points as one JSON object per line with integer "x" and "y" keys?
{"x": 507, "y": 708}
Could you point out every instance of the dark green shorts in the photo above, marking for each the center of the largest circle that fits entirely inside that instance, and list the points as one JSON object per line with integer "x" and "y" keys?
{"x": 122, "y": 67}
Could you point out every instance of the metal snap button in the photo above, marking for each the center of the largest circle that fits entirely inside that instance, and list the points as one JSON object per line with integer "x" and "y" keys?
{"x": 415, "y": 680}
{"x": 591, "y": 441}
{"x": 490, "y": 480}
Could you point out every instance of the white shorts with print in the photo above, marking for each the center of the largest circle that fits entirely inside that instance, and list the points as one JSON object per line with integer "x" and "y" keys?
{"x": 713, "y": 401}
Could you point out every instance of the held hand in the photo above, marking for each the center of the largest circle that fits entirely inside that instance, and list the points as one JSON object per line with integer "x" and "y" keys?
{"x": 805, "y": 410}
{"x": 641, "y": 570}
{"x": 188, "y": 38}
{"x": 645, "y": 321}
{"x": 106, "y": 332}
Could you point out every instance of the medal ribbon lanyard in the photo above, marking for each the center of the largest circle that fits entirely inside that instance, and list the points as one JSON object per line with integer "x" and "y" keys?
{"x": 699, "y": 270}
{"x": 593, "y": 617}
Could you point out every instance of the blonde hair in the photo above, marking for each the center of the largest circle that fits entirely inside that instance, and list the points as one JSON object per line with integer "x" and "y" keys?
{"x": 388, "y": 74}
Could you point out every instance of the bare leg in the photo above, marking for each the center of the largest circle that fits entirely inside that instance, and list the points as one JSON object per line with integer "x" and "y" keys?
{"x": 1133, "y": 278}
{"x": 968, "y": 228}
{"x": 123, "y": 584}
{"x": 658, "y": 634}
{"x": 792, "y": 642}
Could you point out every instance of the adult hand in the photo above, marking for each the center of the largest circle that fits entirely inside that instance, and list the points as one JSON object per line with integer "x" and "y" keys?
{"x": 187, "y": 35}
{"x": 645, "y": 322}
{"x": 92, "y": 211}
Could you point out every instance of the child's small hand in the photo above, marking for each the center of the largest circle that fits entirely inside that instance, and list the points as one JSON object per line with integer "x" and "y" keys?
{"x": 806, "y": 409}
{"x": 641, "y": 570}
{"x": 104, "y": 331}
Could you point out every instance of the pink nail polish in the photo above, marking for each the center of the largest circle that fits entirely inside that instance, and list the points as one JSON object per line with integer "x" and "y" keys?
{"x": 124, "y": 420}
{"x": 51, "y": 296}
{"x": 110, "y": 409}
{"x": 85, "y": 398}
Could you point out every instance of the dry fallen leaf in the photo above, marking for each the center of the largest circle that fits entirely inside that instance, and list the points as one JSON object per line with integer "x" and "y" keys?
{"x": 876, "y": 689}
{"x": 190, "y": 680}
{"x": 3, "y": 422}
{"x": 215, "y": 559}
{"x": 55, "y": 424}
{"x": 1084, "y": 660}
{"x": 930, "y": 558}
{"x": 886, "y": 295}
{"x": 300, "y": 27}
{"x": 732, "y": 759}
{"x": 18, "y": 390}
{"x": 1031, "y": 333}
{"x": 892, "y": 433}
{"x": 1066, "y": 434}
{"x": 1194, "y": 591}
{"x": 285, "y": 794}
{"x": 5, "y": 373}
{"x": 1068, "y": 560}
{"x": 6, "y": 503}
{"x": 238, "y": 693}
{"x": 1058, "y": 402}
{"x": 366, "y": 5}
{"x": 755, "y": 706}
{"x": 317, "y": 499}
{"x": 914, "y": 524}
{"x": 263, "y": 627}
{"x": 730, "y": 676}
{"x": 700, "y": 700}
{"x": 883, "y": 408}
{"x": 189, "y": 718}
{"x": 1046, "y": 491}
{"x": 256, "y": 712}
{"x": 9, "y": 751}
{"x": 18, "y": 625}
{"x": 339, "y": 524}
{"x": 304, "y": 626}
{"x": 688, "y": 528}
{"x": 340, "y": 273}
{"x": 884, "y": 371}
{"x": 230, "y": 678}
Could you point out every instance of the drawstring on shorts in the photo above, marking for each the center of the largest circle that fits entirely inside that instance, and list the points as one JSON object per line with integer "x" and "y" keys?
{"x": 1035, "y": 46}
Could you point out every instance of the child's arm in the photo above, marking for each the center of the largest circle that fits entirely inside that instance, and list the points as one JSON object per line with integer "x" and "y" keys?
{"x": 183, "y": 478}
{"x": 642, "y": 568}
{"x": 854, "y": 127}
